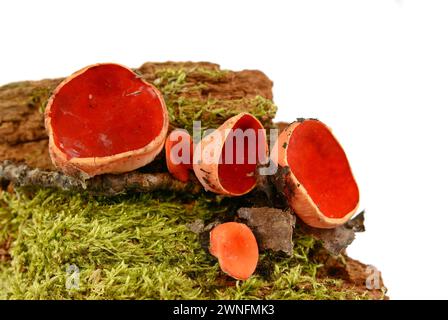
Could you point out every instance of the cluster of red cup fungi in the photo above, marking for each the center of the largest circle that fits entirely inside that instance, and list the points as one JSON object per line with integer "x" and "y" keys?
{"x": 106, "y": 119}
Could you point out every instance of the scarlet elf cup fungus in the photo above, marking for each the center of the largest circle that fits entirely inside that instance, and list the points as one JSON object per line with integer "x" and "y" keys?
{"x": 236, "y": 248}
{"x": 225, "y": 161}
{"x": 105, "y": 119}
{"x": 319, "y": 184}
{"x": 179, "y": 154}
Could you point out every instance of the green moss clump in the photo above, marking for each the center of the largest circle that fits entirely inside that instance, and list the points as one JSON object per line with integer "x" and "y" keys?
{"x": 185, "y": 99}
{"x": 39, "y": 97}
{"x": 212, "y": 113}
{"x": 136, "y": 247}
{"x": 174, "y": 81}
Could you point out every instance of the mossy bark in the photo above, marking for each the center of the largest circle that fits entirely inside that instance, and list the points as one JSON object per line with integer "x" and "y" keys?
{"x": 192, "y": 91}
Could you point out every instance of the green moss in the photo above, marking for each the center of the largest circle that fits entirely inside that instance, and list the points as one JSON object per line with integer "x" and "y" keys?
{"x": 6, "y": 273}
{"x": 185, "y": 99}
{"x": 39, "y": 97}
{"x": 212, "y": 113}
{"x": 136, "y": 247}
{"x": 211, "y": 73}
{"x": 172, "y": 81}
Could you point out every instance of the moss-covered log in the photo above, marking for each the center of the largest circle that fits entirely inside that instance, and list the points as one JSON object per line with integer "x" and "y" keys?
{"x": 192, "y": 91}
{"x": 139, "y": 246}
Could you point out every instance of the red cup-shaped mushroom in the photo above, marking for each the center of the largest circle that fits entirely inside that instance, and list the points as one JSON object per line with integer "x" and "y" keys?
{"x": 179, "y": 154}
{"x": 319, "y": 184}
{"x": 105, "y": 119}
{"x": 236, "y": 248}
{"x": 225, "y": 161}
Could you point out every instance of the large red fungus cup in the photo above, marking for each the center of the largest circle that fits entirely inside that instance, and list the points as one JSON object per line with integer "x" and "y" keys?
{"x": 105, "y": 119}
{"x": 225, "y": 161}
{"x": 319, "y": 186}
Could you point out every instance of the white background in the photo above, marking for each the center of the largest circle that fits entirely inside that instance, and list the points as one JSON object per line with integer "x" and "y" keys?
{"x": 375, "y": 71}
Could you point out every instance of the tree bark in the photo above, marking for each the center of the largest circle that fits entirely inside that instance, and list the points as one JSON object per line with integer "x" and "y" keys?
{"x": 22, "y": 175}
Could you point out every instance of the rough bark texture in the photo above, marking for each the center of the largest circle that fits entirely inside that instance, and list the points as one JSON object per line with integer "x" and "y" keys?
{"x": 4, "y": 250}
{"x": 355, "y": 274}
{"x": 22, "y": 132}
{"x": 231, "y": 85}
{"x": 272, "y": 227}
{"x": 336, "y": 240}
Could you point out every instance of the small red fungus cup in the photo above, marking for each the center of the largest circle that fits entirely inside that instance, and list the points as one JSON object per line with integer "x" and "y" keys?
{"x": 105, "y": 119}
{"x": 319, "y": 184}
{"x": 235, "y": 246}
{"x": 225, "y": 161}
{"x": 179, "y": 154}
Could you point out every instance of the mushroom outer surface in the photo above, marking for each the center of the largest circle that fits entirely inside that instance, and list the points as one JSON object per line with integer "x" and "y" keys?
{"x": 210, "y": 165}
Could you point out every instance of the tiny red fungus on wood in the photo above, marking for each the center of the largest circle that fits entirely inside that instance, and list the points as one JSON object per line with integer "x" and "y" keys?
{"x": 319, "y": 184}
{"x": 236, "y": 248}
{"x": 226, "y": 160}
{"x": 105, "y": 119}
{"x": 179, "y": 154}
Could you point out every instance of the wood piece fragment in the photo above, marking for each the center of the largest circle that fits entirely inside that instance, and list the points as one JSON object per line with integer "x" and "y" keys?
{"x": 203, "y": 231}
{"x": 4, "y": 249}
{"x": 197, "y": 226}
{"x": 338, "y": 239}
{"x": 272, "y": 227}
{"x": 365, "y": 279}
